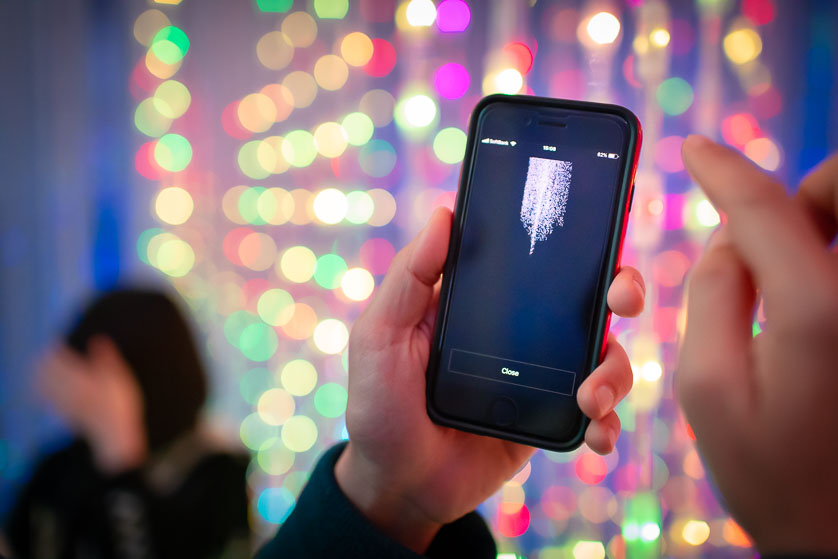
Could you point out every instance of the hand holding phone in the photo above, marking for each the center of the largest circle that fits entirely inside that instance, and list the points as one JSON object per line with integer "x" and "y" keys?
{"x": 406, "y": 474}
{"x": 763, "y": 407}
{"x": 541, "y": 213}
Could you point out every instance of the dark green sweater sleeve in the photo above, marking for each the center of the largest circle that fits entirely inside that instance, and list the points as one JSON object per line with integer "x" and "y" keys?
{"x": 324, "y": 523}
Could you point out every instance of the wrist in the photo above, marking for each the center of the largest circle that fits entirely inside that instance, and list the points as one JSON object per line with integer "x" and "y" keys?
{"x": 386, "y": 505}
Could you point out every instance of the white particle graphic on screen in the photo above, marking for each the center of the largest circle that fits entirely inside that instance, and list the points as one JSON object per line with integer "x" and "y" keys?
{"x": 545, "y": 197}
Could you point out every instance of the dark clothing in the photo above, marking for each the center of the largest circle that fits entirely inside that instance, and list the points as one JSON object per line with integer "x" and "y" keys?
{"x": 190, "y": 501}
{"x": 324, "y": 523}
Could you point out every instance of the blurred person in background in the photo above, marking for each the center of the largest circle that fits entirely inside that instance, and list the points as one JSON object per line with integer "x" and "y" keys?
{"x": 141, "y": 478}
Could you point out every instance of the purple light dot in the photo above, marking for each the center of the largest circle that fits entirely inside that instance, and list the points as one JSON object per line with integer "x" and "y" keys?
{"x": 451, "y": 80}
{"x": 452, "y": 16}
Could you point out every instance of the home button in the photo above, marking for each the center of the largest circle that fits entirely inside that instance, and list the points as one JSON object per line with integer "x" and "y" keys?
{"x": 504, "y": 412}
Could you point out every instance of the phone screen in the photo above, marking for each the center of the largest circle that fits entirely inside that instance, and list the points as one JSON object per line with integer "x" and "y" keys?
{"x": 537, "y": 224}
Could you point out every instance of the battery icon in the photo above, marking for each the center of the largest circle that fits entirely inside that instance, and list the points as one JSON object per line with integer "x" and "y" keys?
{"x": 613, "y": 156}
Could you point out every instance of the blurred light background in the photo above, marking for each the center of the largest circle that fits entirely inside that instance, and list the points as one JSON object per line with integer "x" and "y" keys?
{"x": 267, "y": 158}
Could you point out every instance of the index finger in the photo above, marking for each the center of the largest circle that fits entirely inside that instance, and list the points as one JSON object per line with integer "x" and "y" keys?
{"x": 773, "y": 235}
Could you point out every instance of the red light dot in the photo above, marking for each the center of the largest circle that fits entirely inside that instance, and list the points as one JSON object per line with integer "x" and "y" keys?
{"x": 591, "y": 468}
{"x": 447, "y": 199}
{"x": 231, "y": 124}
{"x": 145, "y": 162}
{"x": 766, "y": 103}
{"x": 759, "y": 12}
{"x": 383, "y": 59}
{"x": 628, "y": 71}
{"x": 379, "y": 11}
{"x": 231, "y": 243}
{"x": 739, "y": 129}
{"x": 570, "y": 84}
{"x": 668, "y": 154}
{"x": 252, "y": 290}
{"x": 515, "y": 524}
{"x": 520, "y": 55}
{"x": 690, "y": 432}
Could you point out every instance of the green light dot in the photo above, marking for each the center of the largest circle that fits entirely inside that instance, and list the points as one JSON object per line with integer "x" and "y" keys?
{"x": 142, "y": 243}
{"x": 331, "y": 9}
{"x": 235, "y": 325}
{"x": 249, "y": 205}
{"x": 149, "y": 121}
{"x": 248, "y": 160}
{"x": 255, "y": 433}
{"x": 359, "y": 206}
{"x": 298, "y": 148}
{"x": 359, "y": 128}
{"x": 675, "y": 96}
{"x": 275, "y": 306}
{"x": 450, "y": 145}
{"x": 329, "y": 270}
{"x": 173, "y": 152}
{"x": 330, "y": 400}
{"x": 254, "y": 383}
{"x": 274, "y": 5}
{"x": 258, "y": 342}
{"x": 170, "y": 44}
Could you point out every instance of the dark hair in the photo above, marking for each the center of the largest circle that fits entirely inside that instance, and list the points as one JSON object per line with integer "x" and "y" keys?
{"x": 154, "y": 338}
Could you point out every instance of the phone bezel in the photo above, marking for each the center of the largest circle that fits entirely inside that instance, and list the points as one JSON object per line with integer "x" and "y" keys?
{"x": 612, "y": 260}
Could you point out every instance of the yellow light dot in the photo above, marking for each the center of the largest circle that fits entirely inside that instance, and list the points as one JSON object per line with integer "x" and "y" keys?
{"x": 274, "y": 50}
{"x": 299, "y": 433}
{"x": 302, "y": 323}
{"x": 640, "y": 44}
{"x": 175, "y": 258}
{"x": 359, "y": 207}
{"x": 171, "y": 99}
{"x": 330, "y": 206}
{"x": 651, "y": 371}
{"x": 742, "y": 45}
{"x": 659, "y": 37}
{"x": 696, "y": 532}
{"x": 275, "y": 307}
{"x": 421, "y": 13}
{"x": 173, "y": 205}
{"x": 764, "y": 153}
{"x": 299, "y": 377}
{"x": 300, "y": 28}
{"x": 275, "y": 406}
{"x": 356, "y": 49}
{"x": 706, "y": 214}
{"x": 330, "y": 139}
{"x": 269, "y": 155}
{"x": 302, "y": 86}
{"x": 588, "y": 550}
{"x": 257, "y": 112}
{"x": 274, "y": 458}
{"x": 512, "y": 497}
{"x": 384, "y": 207}
{"x": 160, "y": 69}
{"x": 331, "y": 336}
{"x": 357, "y": 284}
{"x": 330, "y": 72}
{"x": 148, "y": 24}
{"x": 275, "y": 205}
{"x": 603, "y": 28}
{"x": 297, "y": 264}
{"x": 230, "y": 204}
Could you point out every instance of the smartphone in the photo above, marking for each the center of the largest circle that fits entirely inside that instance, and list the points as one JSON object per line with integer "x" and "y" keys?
{"x": 541, "y": 213}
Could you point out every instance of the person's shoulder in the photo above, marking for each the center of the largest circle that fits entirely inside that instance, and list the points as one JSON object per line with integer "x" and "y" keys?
{"x": 60, "y": 458}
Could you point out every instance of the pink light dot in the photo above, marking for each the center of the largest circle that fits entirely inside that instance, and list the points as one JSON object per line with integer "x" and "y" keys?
{"x": 452, "y": 80}
{"x": 452, "y": 16}
{"x": 376, "y": 255}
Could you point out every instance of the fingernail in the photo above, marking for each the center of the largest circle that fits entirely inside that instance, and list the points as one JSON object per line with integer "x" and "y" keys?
{"x": 605, "y": 398}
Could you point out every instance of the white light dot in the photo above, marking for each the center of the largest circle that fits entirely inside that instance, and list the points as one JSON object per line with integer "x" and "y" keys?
{"x": 603, "y": 28}
{"x": 509, "y": 81}
{"x": 330, "y": 206}
{"x": 357, "y": 284}
{"x": 331, "y": 336}
{"x": 707, "y": 214}
{"x": 651, "y": 371}
{"x": 419, "y": 110}
{"x": 421, "y": 13}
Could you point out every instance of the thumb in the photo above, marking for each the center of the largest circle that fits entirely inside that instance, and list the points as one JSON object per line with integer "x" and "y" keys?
{"x": 408, "y": 287}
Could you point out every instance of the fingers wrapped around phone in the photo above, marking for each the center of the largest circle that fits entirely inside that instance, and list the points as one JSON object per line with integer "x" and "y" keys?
{"x": 600, "y": 394}
{"x": 627, "y": 293}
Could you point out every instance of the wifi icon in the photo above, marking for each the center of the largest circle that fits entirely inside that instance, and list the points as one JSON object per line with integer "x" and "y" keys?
{"x": 513, "y": 142}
